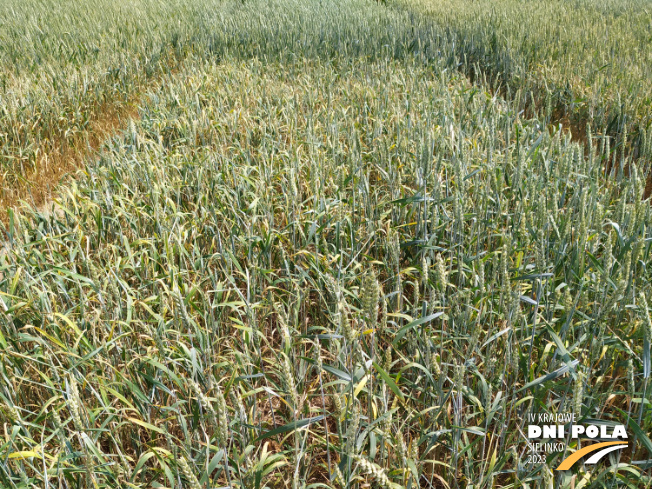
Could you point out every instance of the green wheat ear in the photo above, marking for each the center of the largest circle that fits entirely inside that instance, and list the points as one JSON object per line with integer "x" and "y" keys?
{"x": 187, "y": 472}
{"x": 222, "y": 418}
{"x": 369, "y": 298}
{"x": 646, "y": 317}
{"x": 578, "y": 393}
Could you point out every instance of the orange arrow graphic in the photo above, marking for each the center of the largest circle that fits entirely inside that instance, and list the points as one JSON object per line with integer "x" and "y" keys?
{"x": 569, "y": 461}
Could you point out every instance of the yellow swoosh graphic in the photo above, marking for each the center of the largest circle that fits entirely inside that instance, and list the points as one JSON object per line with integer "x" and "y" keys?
{"x": 570, "y": 460}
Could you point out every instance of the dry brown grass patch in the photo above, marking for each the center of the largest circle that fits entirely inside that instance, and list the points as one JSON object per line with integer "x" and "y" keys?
{"x": 65, "y": 156}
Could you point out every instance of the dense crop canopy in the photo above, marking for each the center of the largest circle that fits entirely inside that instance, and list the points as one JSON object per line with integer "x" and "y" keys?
{"x": 320, "y": 257}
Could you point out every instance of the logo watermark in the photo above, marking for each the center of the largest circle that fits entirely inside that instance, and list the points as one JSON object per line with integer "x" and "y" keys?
{"x": 551, "y": 433}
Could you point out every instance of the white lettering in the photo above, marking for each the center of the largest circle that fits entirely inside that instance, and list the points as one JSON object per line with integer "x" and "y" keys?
{"x": 592, "y": 431}
{"x": 619, "y": 431}
{"x": 533, "y": 431}
{"x": 603, "y": 432}
{"x": 577, "y": 430}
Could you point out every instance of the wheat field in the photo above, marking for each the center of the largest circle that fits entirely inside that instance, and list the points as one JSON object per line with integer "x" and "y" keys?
{"x": 318, "y": 245}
